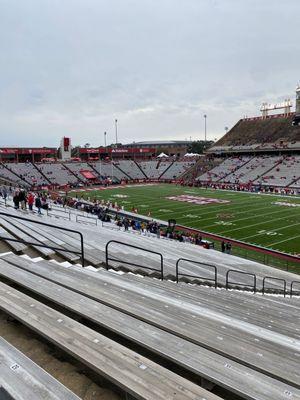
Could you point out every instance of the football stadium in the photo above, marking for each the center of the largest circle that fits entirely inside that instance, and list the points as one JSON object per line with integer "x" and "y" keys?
{"x": 152, "y": 266}
{"x": 153, "y": 275}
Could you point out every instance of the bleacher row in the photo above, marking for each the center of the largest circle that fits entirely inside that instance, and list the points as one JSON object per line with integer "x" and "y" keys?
{"x": 98, "y": 235}
{"x": 265, "y": 170}
{"x": 74, "y": 173}
{"x": 239, "y": 341}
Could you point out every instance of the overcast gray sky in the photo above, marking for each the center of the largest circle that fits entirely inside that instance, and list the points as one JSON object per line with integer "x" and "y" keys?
{"x": 70, "y": 67}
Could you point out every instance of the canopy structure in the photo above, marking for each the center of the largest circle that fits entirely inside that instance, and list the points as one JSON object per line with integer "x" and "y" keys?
{"x": 162, "y": 155}
{"x": 192, "y": 155}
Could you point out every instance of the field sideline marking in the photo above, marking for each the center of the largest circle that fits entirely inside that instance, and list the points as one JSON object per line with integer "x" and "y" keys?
{"x": 255, "y": 193}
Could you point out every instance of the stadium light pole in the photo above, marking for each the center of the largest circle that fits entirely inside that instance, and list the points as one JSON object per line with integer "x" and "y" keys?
{"x": 116, "y": 127}
{"x": 105, "y": 140}
{"x": 205, "y": 116}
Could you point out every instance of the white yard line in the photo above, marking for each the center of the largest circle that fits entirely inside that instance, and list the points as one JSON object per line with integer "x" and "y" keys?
{"x": 271, "y": 230}
{"x": 253, "y": 216}
{"x": 285, "y": 240}
{"x": 235, "y": 213}
{"x": 208, "y": 208}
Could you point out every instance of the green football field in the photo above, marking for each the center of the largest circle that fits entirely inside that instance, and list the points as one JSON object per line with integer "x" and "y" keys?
{"x": 265, "y": 220}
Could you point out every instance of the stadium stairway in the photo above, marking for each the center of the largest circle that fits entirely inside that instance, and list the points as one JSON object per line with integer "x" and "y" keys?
{"x": 235, "y": 340}
{"x": 293, "y": 183}
{"x": 138, "y": 260}
{"x": 41, "y": 172}
{"x": 117, "y": 165}
{"x": 74, "y": 174}
{"x": 223, "y": 179}
{"x": 139, "y": 167}
{"x": 168, "y": 167}
{"x": 94, "y": 170}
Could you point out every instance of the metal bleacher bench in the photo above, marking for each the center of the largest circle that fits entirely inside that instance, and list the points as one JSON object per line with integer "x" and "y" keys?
{"x": 21, "y": 378}
{"x": 134, "y": 374}
{"x": 69, "y": 289}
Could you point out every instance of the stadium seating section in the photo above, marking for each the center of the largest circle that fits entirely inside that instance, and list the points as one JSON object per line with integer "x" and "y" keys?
{"x": 256, "y": 151}
{"x": 267, "y": 170}
{"x": 74, "y": 173}
{"x": 213, "y": 333}
{"x": 271, "y": 133}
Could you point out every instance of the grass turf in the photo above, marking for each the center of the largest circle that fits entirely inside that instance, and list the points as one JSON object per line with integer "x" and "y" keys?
{"x": 252, "y": 218}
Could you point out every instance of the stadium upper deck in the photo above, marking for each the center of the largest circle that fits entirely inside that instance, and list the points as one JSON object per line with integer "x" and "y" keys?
{"x": 271, "y": 133}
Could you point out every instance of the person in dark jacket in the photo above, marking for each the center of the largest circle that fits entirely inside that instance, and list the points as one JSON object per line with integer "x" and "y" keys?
{"x": 16, "y": 200}
{"x": 228, "y": 248}
{"x": 23, "y": 199}
{"x": 38, "y": 203}
{"x": 223, "y": 247}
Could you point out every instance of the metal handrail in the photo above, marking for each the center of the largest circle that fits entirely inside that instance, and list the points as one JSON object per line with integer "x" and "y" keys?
{"x": 274, "y": 279}
{"x": 107, "y": 258}
{"x": 81, "y": 252}
{"x": 51, "y": 212}
{"x": 239, "y": 283}
{"x": 292, "y": 284}
{"x": 84, "y": 216}
{"x": 196, "y": 276}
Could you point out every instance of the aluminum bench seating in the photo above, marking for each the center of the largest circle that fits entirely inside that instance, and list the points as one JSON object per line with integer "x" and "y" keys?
{"x": 259, "y": 348}
{"x": 240, "y": 379}
{"x": 96, "y": 237}
{"x": 22, "y": 379}
{"x": 133, "y": 373}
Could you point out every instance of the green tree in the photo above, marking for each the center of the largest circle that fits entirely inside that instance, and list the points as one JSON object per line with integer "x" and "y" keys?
{"x": 199, "y": 146}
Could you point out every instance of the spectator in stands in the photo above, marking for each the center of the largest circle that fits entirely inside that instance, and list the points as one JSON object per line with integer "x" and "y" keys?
{"x": 38, "y": 203}
{"x": 158, "y": 232}
{"x": 22, "y": 199}
{"x": 143, "y": 226}
{"x": 138, "y": 226}
{"x": 126, "y": 223}
{"x": 30, "y": 200}
{"x": 223, "y": 246}
{"x": 228, "y": 248}
{"x": 4, "y": 193}
{"x": 16, "y": 200}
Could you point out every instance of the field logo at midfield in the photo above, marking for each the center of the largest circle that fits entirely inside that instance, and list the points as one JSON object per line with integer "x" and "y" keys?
{"x": 197, "y": 199}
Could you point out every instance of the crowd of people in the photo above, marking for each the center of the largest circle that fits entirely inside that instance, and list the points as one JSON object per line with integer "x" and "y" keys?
{"x": 243, "y": 188}
{"x": 25, "y": 200}
{"x": 108, "y": 211}
{"x": 104, "y": 210}
{"x": 226, "y": 247}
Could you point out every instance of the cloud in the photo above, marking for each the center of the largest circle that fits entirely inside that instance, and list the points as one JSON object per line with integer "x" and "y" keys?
{"x": 71, "y": 67}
